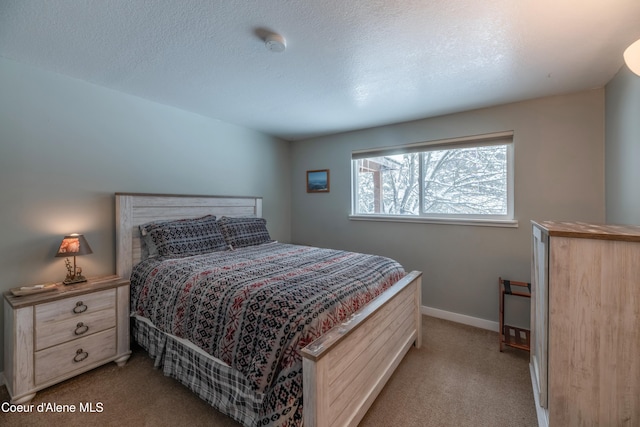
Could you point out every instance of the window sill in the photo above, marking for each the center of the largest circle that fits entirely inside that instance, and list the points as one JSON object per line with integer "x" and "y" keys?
{"x": 505, "y": 223}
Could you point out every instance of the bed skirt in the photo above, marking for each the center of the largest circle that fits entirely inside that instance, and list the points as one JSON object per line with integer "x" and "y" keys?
{"x": 211, "y": 379}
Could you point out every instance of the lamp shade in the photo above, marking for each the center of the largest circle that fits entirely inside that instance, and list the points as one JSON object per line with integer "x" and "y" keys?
{"x": 632, "y": 57}
{"x": 72, "y": 245}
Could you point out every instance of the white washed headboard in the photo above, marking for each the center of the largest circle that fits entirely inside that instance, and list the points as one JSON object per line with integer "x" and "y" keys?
{"x": 133, "y": 209}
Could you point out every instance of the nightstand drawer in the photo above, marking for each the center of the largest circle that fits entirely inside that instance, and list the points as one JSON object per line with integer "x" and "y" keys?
{"x": 75, "y": 307}
{"x": 53, "y": 333}
{"x": 75, "y": 355}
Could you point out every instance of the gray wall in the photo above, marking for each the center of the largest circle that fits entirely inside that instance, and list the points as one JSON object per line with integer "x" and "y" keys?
{"x": 559, "y": 174}
{"x": 623, "y": 148}
{"x": 66, "y": 146}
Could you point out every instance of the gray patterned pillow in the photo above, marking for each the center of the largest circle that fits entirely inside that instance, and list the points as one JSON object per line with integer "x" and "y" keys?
{"x": 244, "y": 231}
{"x": 147, "y": 246}
{"x": 183, "y": 237}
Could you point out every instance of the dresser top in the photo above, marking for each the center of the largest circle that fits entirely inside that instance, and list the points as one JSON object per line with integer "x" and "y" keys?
{"x": 629, "y": 233}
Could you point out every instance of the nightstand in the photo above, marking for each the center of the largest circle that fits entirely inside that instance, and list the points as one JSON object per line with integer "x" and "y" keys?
{"x": 52, "y": 336}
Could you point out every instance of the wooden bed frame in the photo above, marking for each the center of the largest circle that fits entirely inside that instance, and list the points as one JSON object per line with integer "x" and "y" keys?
{"x": 343, "y": 370}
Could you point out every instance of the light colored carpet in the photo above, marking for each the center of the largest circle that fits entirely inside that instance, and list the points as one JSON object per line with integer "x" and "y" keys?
{"x": 458, "y": 378}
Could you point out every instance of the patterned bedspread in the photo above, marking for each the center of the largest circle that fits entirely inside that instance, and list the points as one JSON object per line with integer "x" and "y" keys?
{"x": 254, "y": 308}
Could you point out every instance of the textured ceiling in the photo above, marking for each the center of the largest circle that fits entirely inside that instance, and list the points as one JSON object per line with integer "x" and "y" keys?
{"x": 349, "y": 64}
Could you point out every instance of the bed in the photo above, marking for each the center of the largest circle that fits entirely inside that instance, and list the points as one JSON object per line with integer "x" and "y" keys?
{"x": 343, "y": 349}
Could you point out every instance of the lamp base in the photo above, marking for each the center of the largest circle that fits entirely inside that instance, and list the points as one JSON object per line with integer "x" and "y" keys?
{"x": 73, "y": 280}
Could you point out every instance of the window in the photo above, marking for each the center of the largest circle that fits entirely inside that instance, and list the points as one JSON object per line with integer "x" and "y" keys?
{"x": 458, "y": 180}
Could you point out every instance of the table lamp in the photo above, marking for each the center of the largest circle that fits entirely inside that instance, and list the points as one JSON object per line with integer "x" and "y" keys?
{"x": 73, "y": 245}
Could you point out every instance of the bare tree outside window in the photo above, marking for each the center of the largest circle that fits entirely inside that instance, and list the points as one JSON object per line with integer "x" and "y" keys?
{"x": 459, "y": 181}
{"x": 466, "y": 181}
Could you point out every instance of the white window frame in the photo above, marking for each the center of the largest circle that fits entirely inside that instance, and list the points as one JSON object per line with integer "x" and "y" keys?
{"x": 499, "y": 138}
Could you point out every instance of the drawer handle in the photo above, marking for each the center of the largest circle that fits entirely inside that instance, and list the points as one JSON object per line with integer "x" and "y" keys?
{"x": 80, "y": 307}
{"x": 80, "y": 355}
{"x": 81, "y": 328}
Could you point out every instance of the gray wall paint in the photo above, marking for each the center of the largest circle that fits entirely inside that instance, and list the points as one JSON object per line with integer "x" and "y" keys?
{"x": 559, "y": 174}
{"x": 66, "y": 146}
{"x": 623, "y": 148}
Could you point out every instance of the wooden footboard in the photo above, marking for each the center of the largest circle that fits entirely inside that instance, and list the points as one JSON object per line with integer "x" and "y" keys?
{"x": 346, "y": 368}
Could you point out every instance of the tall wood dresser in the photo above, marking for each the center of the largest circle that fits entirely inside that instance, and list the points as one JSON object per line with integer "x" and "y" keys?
{"x": 585, "y": 324}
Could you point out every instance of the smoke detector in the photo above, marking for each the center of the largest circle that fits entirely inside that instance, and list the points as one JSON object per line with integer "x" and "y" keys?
{"x": 275, "y": 43}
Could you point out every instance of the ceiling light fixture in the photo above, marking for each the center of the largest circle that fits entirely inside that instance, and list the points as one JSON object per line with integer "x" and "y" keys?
{"x": 275, "y": 43}
{"x": 632, "y": 57}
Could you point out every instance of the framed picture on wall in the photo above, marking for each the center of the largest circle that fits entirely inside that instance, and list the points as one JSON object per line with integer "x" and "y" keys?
{"x": 318, "y": 181}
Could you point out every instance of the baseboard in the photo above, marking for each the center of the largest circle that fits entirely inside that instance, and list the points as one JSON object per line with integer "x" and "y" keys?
{"x": 461, "y": 318}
